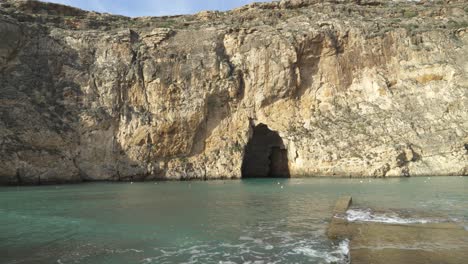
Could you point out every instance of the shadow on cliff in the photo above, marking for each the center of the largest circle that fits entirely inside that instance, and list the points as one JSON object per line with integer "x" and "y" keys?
{"x": 40, "y": 113}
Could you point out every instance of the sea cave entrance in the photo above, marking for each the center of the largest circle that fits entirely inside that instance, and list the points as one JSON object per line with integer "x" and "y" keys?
{"x": 265, "y": 155}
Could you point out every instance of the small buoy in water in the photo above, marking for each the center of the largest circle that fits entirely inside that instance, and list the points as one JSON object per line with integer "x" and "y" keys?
{"x": 361, "y": 181}
{"x": 131, "y": 182}
{"x": 278, "y": 183}
{"x": 281, "y": 186}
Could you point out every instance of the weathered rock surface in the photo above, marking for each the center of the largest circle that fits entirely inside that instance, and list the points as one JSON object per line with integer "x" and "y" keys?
{"x": 354, "y": 88}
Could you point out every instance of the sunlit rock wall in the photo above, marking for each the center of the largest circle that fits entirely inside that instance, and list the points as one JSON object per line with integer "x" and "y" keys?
{"x": 376, "y": 89}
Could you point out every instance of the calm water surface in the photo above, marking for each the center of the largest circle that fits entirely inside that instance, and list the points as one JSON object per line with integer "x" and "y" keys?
{"x": 249, "y": 221}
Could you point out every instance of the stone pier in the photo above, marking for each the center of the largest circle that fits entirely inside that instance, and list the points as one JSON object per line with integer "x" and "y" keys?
{"x": 382, "y": 243}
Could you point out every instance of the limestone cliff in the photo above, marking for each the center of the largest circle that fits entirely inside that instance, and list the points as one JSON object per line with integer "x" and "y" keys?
{"x": 353, "y": 88}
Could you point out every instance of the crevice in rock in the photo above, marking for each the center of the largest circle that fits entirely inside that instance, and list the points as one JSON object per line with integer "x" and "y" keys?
{"x": 308, "y": 58}
{"x": 215, "y": 111}
{"x": 241, "y": 83}
{"x": 18, "y": 177}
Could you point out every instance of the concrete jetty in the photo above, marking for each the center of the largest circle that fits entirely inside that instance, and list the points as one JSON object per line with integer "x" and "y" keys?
{"x": 379, "y": 243}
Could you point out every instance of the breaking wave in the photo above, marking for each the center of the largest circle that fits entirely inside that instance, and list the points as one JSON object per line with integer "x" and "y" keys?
{"x": 366, "y": 215}
{"x": 339, "y": 255}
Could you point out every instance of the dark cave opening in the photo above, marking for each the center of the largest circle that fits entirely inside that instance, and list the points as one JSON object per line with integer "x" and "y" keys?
{"x": 265, "y": 155}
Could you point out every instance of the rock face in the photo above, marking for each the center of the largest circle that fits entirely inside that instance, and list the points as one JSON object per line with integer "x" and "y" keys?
{"x": 353, "y": 88}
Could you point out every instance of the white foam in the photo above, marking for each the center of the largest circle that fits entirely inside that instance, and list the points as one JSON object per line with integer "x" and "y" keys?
{"x": 360, "y": 215}
{"x": 344, "y": 247}
{"x": 340, "y": 255}
{"x": 316, "y": 254}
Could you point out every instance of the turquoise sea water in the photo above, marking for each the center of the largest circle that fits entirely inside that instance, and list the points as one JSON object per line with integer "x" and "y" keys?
{"x": 248, "y": 221}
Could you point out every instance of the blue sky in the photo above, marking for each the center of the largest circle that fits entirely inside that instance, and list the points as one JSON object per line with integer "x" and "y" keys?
{"x": 135, "y": 8}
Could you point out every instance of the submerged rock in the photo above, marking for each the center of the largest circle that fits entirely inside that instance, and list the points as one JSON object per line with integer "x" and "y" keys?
{"x": 353, "y": 88}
